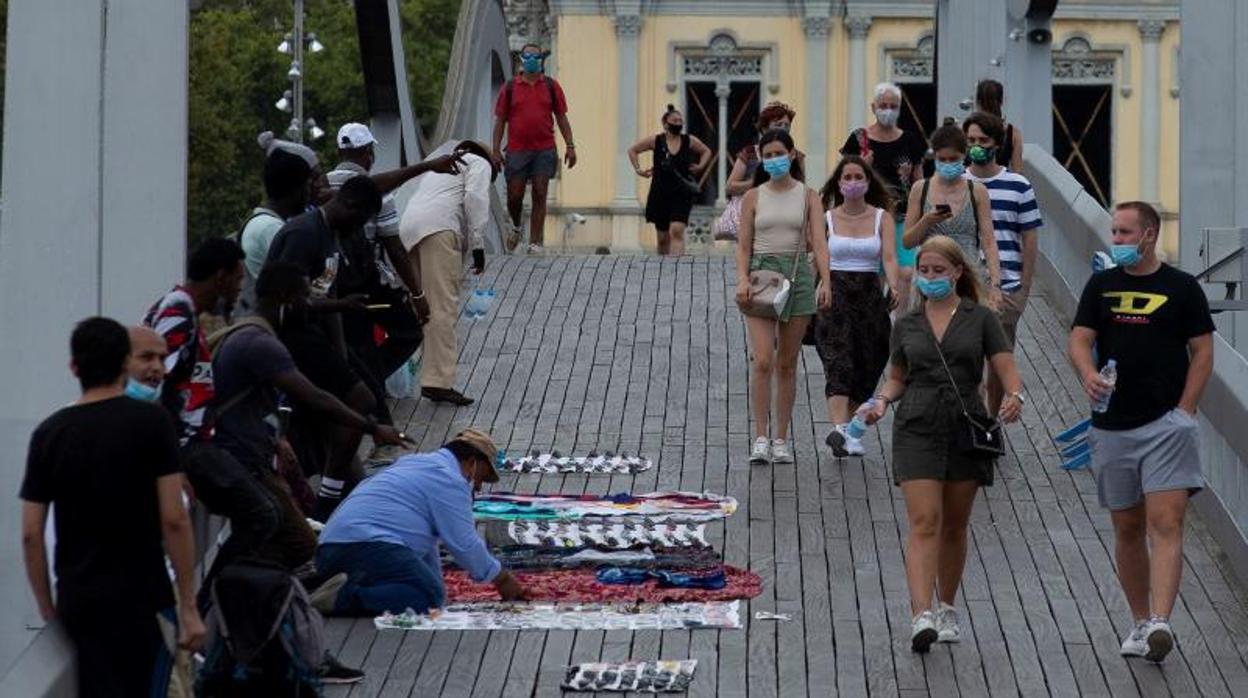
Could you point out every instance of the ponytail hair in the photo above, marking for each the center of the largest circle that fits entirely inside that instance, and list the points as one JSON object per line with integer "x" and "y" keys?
{"x": 989, "y": 95}
{"x": 949, "y": 135}
{"x": 671, "y": 109}
{"x": 968, "y": 283}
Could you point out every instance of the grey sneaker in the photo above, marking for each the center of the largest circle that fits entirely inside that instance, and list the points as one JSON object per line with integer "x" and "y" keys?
{"x": 781, "y": 452}
{"x": 1136, "y": 644}
{"x": 923, "y": 632}
{"x": 326, "y": 595}
{"x": 947, "y": 624}
{"x": 760, "y": 454}
{"x": 1159, "y": 638}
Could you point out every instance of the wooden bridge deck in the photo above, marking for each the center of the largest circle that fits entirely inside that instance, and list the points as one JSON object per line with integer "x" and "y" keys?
{"x": 649, "y": 356}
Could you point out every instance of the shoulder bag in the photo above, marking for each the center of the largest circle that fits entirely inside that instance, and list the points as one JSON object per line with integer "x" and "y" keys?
{"x": 981, "y": 437}
{"x": 769, "y": 290}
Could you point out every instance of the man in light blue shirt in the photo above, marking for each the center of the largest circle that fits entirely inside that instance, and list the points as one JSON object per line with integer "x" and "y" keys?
{"x": 385, "y": 534}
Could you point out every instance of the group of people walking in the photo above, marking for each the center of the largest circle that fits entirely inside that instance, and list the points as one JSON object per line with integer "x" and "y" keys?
{"x": 942, "y": 353}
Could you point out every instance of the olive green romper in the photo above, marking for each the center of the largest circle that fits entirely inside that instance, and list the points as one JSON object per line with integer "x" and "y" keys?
{"x": 926, "y": 419}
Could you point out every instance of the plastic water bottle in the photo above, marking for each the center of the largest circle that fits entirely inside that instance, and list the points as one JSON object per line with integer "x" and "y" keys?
{"x": 479, "y": 303}
{"x": 858, "y": 425}
{"x": 1109, "y": 374}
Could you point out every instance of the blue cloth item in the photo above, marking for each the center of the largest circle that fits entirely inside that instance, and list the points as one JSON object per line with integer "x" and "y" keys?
{"x": 381, "y": 577}
{"x": 421, "y": 499}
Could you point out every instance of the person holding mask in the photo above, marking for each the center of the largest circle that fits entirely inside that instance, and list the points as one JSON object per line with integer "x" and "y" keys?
{"x": 937, "y": 365}
{"x": 896, "y": 155}
{"x": 951, "y": 205}
{"x": 989, "y": 95}
{"x": 780, "y": 222}
{"x": 675, "y": 179}
{"x": 1153, "y": 320}
{"x": 852, "y": 334}
{"x": 774, "y": 116}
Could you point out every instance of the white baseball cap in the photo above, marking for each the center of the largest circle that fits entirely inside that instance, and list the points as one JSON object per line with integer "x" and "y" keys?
{"x": 354, "y": 135}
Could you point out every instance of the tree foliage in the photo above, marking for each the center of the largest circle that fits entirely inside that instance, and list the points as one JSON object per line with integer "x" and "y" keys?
{"x": 236, "y": 77}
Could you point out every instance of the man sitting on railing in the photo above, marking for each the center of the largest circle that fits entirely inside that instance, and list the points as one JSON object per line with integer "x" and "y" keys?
{"x": 110, "y": 465}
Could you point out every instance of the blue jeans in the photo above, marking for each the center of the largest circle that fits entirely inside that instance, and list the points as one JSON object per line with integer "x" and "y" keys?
{"x": 381, "y": 577}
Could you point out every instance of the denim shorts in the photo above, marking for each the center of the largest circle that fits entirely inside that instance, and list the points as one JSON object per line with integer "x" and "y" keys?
{"x": 530, "y": 164}
{"x": 1157, "y": 457}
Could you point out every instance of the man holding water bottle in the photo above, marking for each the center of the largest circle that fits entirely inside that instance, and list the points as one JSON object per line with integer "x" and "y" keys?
{"x": 1153, "y": 322}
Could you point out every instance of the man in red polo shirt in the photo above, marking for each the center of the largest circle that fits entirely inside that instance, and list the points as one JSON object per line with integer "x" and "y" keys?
{"x": 528, "y": 108}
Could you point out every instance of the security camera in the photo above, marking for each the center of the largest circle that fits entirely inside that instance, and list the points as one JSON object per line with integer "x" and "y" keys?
{"x": 966, "y": 104}
{"x": 576, "y": 218}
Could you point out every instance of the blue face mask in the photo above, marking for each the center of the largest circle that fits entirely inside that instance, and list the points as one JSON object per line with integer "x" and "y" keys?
{"x": 532, "y": 62}
{"x": 141, "y": 391}
{"x": 777, "y": 167}
{"x": 950, "y": 170}
{"x": 1125, "y": 255}
{"x": 936, "y": 288}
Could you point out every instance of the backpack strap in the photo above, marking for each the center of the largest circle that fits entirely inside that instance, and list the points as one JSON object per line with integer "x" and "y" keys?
{"x": 927, "y": 182}
{"x": 217, "y": 339}
{"x": 970, "y": 201}
{"x": 554, "y": 99}
{"x": 259, "y": 211}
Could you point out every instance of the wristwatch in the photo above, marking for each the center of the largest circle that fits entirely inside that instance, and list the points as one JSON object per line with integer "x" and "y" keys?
{"x": 1018, "y": 396}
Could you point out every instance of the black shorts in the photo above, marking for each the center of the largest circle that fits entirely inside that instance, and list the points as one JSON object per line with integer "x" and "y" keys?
{"x": 318, "y": 360}
{"x": 529, "y": 164}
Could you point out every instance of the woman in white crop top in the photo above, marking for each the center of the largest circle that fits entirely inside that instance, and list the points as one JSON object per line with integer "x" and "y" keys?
{"x": 852, "y": 334}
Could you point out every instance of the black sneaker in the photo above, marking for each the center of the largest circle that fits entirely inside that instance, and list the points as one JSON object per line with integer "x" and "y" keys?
{"x": 336, "y": 673}
{"x": 450, "y": 395}
{"x": 325, "y": 506}
{"x": 836, "y": 441}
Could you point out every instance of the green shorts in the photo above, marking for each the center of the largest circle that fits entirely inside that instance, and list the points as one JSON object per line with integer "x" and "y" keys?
{"x": 802, "y": 293}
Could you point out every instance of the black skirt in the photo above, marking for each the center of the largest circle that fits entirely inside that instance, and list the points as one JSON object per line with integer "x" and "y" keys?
{"x": 851, "y": 336}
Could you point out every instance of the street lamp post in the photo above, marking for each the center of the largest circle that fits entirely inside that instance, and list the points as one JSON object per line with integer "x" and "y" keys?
{"x": 294, "y": 43}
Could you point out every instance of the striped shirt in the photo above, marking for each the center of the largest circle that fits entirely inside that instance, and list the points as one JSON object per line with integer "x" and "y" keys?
{"x": 384, "y": 225}
{"x": 1014, "y": 212}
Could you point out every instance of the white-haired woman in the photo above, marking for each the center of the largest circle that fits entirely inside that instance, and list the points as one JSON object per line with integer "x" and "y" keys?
{"x": 897, "y": 157}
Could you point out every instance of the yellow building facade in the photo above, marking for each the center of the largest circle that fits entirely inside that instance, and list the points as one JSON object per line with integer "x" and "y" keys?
{"x": 1115, "y": 87}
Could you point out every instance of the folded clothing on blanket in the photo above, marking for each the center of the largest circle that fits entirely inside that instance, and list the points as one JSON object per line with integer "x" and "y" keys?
{"x": 594, "y": 463}
{"x": 643, "y": 677}
{"x": 546, "y": 616}
{"x": 685, "y": 506}
{"x": 602, "y": 533}
{"x": 531, "y": 557}
{"x": 583, "y": 585}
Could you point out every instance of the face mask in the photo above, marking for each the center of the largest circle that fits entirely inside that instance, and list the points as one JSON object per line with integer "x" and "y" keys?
{"x": 675, "y": 129}
{"x": 887, "y": 117}
{"x": 855, "y": 189}
{"x": 141, "y": 391}
{"x": 780, "y": 127}
{"x": 1125, "y": 255}
{"x": 777, "y": 167}
{"x": 936, "y": 288}
{"x": 980, "y": 155}
{"x": 532, "y": 63}
{"x": 950, "y": 170}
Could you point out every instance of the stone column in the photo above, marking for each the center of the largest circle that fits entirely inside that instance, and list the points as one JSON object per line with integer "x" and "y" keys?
{"x": 1150, "y": 107}
{"x": 816, "y": 146}
{"x": 722, "y": 90}
{"x": 627, "y": 31}
{"x": 856, "y": 102}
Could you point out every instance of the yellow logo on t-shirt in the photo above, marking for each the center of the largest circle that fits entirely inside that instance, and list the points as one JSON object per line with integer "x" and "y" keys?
{"x": 1135, "y": 303}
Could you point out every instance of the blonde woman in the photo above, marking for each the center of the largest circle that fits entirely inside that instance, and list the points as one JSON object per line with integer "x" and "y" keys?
{"x": 772, "y": 237}
{"x": 938, "y": 480}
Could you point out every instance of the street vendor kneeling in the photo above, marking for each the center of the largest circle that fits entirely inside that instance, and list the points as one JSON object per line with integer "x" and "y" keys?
{"x": 384, "y": 536}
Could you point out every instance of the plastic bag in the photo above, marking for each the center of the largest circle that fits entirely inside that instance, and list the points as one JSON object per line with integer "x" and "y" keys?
{"x": 400, "y": 384}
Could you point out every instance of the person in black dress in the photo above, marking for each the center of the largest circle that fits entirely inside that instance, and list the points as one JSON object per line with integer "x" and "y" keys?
{"x": 676, "y": 175}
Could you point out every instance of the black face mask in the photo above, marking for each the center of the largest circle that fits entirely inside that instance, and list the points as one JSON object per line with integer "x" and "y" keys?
{"x": 675, "y": 129}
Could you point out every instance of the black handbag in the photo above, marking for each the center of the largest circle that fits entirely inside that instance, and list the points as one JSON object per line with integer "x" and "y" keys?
{"x": 981, "y": 437}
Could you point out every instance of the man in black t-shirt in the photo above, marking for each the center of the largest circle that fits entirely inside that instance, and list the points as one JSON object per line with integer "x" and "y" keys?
{"x": 311, "y": 241}
{"x": 1153, "y": 321}
{"x": 110, "y": 465}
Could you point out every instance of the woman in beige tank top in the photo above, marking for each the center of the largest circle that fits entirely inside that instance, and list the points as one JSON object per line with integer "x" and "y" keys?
{"x": 772, "y": 237}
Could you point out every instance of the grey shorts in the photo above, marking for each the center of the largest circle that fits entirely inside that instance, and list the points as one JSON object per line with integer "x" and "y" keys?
{"x": 1012, "y": 305}
{"x": 1159, "y": 456}
{"x": 528, "y": 164}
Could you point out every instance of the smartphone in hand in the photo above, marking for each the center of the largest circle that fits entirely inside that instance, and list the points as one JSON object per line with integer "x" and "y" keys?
{"x": 943, "y": 209}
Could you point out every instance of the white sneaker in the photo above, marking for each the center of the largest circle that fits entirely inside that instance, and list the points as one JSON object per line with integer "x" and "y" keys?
{"x": 1159, "y": 638}
{"x": 780, "y": 451}
{"x": 1136, "y": 644}
{"x": 854, "y": 446}
{"x": 535, "y": 249}
{"x": 947, "y": 624}
{"x": 923, "y": 632}
{"x": 761, "y": 453}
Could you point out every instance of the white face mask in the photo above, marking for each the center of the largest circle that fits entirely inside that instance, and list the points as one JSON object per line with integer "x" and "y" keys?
{"x": 887, "y": 117}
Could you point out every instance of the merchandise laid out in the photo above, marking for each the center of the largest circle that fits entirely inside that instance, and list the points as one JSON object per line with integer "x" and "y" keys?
{"x": 628, "y": 533}
{"x": 548, "y": 616}
{"x": 595, "y": 464}
{"x": 683, "y": 506}
{"x": 535, "y": 557}
{"x": 627, "y": 584}
{"x": 644, "y": 677}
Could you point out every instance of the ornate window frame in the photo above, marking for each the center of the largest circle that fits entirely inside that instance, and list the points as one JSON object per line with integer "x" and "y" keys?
{"x": 722, "y": 52}
{"x": 909, "y": 63}
{"x": 1079, "y": 61}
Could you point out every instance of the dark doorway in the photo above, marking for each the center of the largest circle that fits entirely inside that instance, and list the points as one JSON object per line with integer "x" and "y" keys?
{"x": 1082, "y": 133}
{"x": 702, "y": 119}
{"x": 918, "y": 108}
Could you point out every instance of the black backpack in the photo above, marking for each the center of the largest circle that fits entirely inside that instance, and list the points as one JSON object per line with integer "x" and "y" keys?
{"x": 264, "y": 638}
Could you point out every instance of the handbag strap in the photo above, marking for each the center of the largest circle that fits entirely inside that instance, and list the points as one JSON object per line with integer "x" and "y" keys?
{"x": 957, "y": 393}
